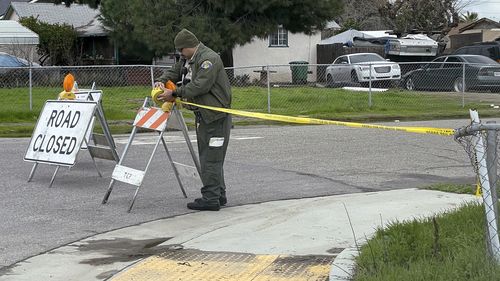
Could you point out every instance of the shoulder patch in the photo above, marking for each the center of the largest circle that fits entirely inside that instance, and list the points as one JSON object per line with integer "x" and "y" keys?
{"x": 206, "y": 64}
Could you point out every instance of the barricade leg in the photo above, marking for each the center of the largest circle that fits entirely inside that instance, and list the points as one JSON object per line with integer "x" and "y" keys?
{"x": 54, "y": 176}
{"x": 110, "y": 188}
{"x": 32, "y": 173}
{"x": 145, "y": 170}
{"x": 188, "y": 141}
{"x": 174, "y": 167}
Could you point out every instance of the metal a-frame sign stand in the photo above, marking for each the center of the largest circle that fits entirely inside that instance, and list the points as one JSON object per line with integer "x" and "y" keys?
{"x": 154, "y": 118}
{"x": 104, "y": 146}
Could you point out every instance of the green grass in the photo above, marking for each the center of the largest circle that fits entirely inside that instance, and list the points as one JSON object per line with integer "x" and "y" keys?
{"x": 456, "y": 188}
{"x": 450, "y": 248}
{"x": 121, "y": 104}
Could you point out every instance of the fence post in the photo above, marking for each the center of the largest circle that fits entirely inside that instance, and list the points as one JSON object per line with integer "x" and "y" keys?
{"x": 152, "y": 77}
{"x": 31, "y": 88}
{"x": 268, "y": 90}
{"x": 484, "y": 179}
{"x": 463, "y": 85}
{"x": 491, "y": 159}
{"x": 370, "y": 88}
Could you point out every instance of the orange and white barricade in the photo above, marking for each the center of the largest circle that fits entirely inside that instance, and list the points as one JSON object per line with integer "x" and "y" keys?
{"x": 153, "y": 118}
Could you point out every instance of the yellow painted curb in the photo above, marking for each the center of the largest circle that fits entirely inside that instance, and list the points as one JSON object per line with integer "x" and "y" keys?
{"x": 192, "y": 265}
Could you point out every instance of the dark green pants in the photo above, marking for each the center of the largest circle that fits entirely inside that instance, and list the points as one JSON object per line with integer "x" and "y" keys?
{"x": 213, "y": 139}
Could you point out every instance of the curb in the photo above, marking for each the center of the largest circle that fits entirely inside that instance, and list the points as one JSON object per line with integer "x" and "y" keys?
{"x": 343, "y": 266}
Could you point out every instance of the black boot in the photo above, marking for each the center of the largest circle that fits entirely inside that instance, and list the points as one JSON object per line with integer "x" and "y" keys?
{"x": 222, "y": 200}
{"x": 203, "y": 205}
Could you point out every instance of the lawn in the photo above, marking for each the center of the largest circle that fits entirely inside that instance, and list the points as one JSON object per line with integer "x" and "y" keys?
{"x": 121, "y": 103}
{"x": 447, "y": 247}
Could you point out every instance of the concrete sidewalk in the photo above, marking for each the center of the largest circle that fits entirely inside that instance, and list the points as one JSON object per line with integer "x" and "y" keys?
{"x": 256, "y": 236}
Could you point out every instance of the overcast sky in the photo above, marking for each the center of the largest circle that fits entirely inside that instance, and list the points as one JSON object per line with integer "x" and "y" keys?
{"x": 486, "y": 9}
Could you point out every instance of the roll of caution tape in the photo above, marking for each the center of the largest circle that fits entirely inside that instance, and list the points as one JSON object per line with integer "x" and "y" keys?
{"x": 314, "y": 121}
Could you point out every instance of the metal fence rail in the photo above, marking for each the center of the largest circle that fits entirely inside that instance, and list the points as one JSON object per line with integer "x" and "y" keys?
{"x": 270, "y": 88}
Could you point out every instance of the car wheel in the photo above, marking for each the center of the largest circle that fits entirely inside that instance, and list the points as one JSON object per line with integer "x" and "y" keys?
{"x": 458, "y": 85}
{"x": 354, "y": 77}
{"x": 409, "y": 84}
{"x": 329, "y": 80}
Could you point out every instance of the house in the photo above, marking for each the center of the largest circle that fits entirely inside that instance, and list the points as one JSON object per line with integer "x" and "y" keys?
{"x": 279, "y": 48}
{"x": 95, "y": 46}
{"x": 4, "y": 5}
{"x": 482, "y": 30}
{"x": 17, "y": 40}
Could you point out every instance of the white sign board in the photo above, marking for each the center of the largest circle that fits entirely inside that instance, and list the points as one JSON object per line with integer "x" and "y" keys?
{"x": 60, "y": 131}
{"x": 128, "y": 175}
{"x": 83, "y": 95}
{"x": 88, "y": 95}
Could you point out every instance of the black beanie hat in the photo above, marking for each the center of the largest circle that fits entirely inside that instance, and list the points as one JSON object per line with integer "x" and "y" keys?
{"x": 185, "y": 39}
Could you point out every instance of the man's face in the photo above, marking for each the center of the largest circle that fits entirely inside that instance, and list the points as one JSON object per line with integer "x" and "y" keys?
{"x": 188, "y": 52}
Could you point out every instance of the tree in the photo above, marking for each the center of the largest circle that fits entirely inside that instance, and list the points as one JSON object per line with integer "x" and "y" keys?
{"x": 57, "y": 41}
{"x": 469, "y": 17}
{"x": 423, "y": 15}
{"x": 220, "y": 24}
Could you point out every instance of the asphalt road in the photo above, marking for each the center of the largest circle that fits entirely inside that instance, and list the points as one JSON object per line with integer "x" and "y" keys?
{"x": 263, "y": 164}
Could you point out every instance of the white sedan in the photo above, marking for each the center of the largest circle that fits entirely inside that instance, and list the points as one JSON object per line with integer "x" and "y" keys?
{"x": 357, "y": 68}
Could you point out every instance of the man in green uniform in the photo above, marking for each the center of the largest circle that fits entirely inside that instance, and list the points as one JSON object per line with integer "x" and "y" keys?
{"x": 202, "y": 79}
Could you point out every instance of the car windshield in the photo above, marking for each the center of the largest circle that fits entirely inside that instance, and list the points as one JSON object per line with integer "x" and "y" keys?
{"x": 479, "y": 59}
{"x": 366, "y": 58}
{"x": 10, "y": 61}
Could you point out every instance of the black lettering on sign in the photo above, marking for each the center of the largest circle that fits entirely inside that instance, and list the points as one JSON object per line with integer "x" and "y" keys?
{"x": 35, "y": 147}
{"x": 58, "y": 144}
{"x": 50, "y": 143}
{"x": 75, "y": 120}
{"x": 64, "y": 144}
{"x": 59, "y": 118}
{"x": 71, "y": 145}
{"x": 66, "y": 120}
{"x": 51, "y": 119}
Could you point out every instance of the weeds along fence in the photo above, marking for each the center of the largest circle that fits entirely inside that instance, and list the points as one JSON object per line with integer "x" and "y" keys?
{"x": 480, "y": 141}
{"x": 289, "y": 88}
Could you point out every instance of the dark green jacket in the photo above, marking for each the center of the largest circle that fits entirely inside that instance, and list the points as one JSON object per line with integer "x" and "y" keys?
{"x": 209, "y": 82}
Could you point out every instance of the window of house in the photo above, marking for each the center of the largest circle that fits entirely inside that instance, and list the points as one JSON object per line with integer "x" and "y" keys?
{"x": 279, "y": 38}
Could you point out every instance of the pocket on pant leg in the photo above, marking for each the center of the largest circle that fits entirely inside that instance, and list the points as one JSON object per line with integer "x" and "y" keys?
{"x": 215, "y": 149}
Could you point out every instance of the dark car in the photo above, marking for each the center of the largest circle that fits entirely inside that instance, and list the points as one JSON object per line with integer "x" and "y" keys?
{"x": 13, "y": 71}
{"x": 487, "y": 49}
{"x": 447, "y": 73}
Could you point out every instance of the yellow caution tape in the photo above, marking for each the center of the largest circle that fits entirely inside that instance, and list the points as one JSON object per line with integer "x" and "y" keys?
{"x": 313, "y": 121}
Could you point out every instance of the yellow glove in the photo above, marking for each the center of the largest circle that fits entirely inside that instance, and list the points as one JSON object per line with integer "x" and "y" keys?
{"x": 66, "y": 95}
{"x": 167, "y": 106}
{"x": 154, "y": 94}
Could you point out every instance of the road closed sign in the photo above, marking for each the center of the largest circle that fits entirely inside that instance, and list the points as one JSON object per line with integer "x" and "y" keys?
{"x": 59, "y": 132}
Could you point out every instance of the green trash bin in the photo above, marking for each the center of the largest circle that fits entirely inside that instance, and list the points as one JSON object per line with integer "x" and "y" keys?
{"x": 299, "y": 71}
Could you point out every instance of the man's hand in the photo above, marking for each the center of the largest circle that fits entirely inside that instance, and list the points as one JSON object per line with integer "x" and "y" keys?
{"x": 159, "y": 85}
{"x": 166, "y": 96}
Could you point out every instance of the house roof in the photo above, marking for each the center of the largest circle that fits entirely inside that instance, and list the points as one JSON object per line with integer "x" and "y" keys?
{"x": 12, "y": 32}
{"x": 4, "y": 5}
{"x": 473, "y": 24}
{"x": 83, "y": 18}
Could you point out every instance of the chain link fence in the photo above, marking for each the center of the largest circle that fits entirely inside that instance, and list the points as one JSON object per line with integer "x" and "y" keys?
{"x": 319, "y": 91}
{"x": 480, "y": 141}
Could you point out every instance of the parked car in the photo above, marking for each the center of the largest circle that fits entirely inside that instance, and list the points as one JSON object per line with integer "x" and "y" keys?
{"x": 488, "y": 49}
{"x": 447, "y": 73}
{"x": 357, "y": 68}
{"x": 13, "y": 72}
